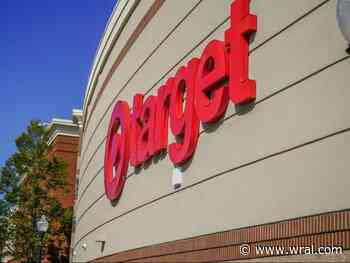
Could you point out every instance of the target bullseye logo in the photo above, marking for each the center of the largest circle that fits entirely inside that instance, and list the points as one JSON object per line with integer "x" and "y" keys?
{"x": 199, "y": 92}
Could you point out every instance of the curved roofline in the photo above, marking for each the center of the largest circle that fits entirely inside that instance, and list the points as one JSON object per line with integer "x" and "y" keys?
{"x": 103, "y": 49}
{"x": 93, "y": 65}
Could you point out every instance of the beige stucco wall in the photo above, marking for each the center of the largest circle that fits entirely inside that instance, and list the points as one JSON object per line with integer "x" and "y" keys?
{"x": 286, "y": 158}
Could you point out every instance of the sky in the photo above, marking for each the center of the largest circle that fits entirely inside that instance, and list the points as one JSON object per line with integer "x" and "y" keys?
{"x": 46, "y": 51}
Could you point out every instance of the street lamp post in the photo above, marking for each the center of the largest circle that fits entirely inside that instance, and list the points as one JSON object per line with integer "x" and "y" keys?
{"x": 42, "y": 225}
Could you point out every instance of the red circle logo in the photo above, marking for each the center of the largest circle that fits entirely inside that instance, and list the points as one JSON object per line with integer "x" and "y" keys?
{"x": 117, "y": 150}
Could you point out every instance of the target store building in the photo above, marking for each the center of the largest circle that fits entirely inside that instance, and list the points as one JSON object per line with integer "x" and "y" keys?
{"x": 213, "y": 130}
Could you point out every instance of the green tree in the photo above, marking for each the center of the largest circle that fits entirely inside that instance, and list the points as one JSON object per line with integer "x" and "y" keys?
{"x": 28, "y": 181}
{"x": 9, "y": 191}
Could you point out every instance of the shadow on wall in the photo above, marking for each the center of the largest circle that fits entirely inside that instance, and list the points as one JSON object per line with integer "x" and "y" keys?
{"x": 207, "y": 128}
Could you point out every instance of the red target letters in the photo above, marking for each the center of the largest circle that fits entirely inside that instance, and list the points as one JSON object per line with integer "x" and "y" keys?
{"x": 199, "y": 92}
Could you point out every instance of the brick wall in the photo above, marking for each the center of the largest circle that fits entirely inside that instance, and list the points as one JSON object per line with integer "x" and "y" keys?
{"x": 284, "y": 160}
{"x": 66, "y": 148}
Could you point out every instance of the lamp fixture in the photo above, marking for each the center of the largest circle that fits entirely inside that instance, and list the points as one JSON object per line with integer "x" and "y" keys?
{"x": 343, "y": 17}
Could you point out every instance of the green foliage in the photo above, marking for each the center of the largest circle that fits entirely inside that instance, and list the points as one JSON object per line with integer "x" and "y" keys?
{"x": 27, "y": 182}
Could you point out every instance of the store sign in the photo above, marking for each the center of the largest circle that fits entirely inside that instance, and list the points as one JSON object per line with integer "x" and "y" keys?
{"x": 199, "y": 92}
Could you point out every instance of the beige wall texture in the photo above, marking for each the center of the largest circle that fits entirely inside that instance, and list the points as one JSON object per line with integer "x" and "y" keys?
{"x": 287, "y": 157}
